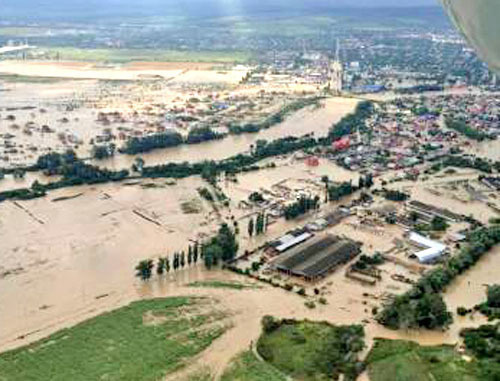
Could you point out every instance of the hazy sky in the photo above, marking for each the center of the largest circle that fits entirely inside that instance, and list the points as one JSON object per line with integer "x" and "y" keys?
{"x": 343, "y": 3}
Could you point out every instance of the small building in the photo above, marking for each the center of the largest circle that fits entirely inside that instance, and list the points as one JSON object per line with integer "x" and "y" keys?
{"x": 341, "y": 144}
{"x": 432, "y": 249}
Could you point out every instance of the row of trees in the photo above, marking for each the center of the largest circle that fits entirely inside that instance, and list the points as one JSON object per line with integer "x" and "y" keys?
{"x": 259, "y": 226}
{"x": 164, "y": 265}
{"x": 73, "y": 172}
{"x": 234, "y": 164}
{"x": 477, "y": 163}
{"x": 302, "y": 206}
{"x": 423, "y": 306}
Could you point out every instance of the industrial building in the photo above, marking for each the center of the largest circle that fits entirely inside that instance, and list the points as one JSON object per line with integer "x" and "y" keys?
{"x": 432, "y": 249}
{"x": 318, "y": 257}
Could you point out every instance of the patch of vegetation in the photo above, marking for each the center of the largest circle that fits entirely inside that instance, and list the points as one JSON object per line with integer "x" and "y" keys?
{"x": 148, "y": 143}
{"x": 205, "y": 194}
{"x": 301, "y": 206}
{"x": 191, "y": 207}
{"x": 274, "y": 118}
{"x": 352, "y": 122}
{"x": 484, "y": 343}
{"x": 222, "y": 284}
{"x": 141, "y": 342}
{"x": 223, "y": 247}
{"x": 461, "y": 127}
{"x": 246, "y": 367}
{"x": 308, "y": 350}
{"x": 395, "y": 360}
{"x": 491, "y": 308}
{"x": 202, "y": 134}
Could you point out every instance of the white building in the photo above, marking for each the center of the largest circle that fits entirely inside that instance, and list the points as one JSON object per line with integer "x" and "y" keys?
{"x": 432, "y": 249}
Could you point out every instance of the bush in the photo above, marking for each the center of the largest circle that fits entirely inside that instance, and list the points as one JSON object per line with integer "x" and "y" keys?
{"x": 462, "y": 311}
{"x": 270, "y": 324}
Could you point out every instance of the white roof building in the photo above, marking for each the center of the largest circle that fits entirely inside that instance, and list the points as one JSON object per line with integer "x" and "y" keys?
{"x": 289, "y": 240}
{"x": 432, "y": 249}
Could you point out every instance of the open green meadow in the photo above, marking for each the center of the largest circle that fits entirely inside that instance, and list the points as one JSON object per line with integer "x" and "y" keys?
{"x": 141, "y": 342}
{"x": 312, "y": 351}
{"x": 394, "y": 360}
{"x": 246, "y": 367}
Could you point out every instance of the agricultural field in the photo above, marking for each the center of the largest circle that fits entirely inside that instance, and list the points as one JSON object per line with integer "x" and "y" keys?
{"x": 143, "y": 341}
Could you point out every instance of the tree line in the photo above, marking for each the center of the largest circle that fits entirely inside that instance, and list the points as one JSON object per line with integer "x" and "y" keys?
{"x": 144, "y": 269}
{"x": 257, "y": 226}
{"x": 351, "y": 122}
{"x": 73, "y": 172}
{"x": 423, "y": 305}
{"x": 275, "y": 118}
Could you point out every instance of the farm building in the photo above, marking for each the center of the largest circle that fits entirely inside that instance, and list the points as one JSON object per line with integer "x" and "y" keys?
{"x": 290, "y": 240}
{"x": 318, "y": 257}
{"x": 431, "y": 211}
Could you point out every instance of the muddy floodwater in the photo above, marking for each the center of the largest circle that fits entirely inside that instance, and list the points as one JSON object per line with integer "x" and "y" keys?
{"x": 310, "y": 120}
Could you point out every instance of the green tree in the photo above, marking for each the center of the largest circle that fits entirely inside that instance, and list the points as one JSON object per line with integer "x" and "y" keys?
{"x": 183, "y": 259}
{"x": 195, "y": 252}
{"x": 250, "y": 227}
{"x": 190, "y": 255}
{"x": 493, "y": 295}
{"x": 326, "y": 180}
{"x": 144, "y": 269}
{"x": 167, "y": 264}
{"x": 160, "y": 266}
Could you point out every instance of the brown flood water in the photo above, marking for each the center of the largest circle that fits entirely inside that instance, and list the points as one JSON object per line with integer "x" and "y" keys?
{"x": 306, "y": 121}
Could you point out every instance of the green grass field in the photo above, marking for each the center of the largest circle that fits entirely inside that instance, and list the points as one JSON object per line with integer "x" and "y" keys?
{"x": 312, "y": 351}
{"x": 141, "y": 342}
{"x": 394, "y": 360}
{"x": 129, "y": 55}
{"x": 246, "y": 367}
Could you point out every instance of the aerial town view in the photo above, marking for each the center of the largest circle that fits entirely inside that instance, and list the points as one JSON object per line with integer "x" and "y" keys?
{"x": 205, "y": 190}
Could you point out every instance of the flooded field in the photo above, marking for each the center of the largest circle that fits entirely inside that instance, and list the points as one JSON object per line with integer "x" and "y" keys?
{"x": 180, "y": 72}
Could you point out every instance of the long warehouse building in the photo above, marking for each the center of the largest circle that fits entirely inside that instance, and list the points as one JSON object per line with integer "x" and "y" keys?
{"x": 317, "y": 257}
